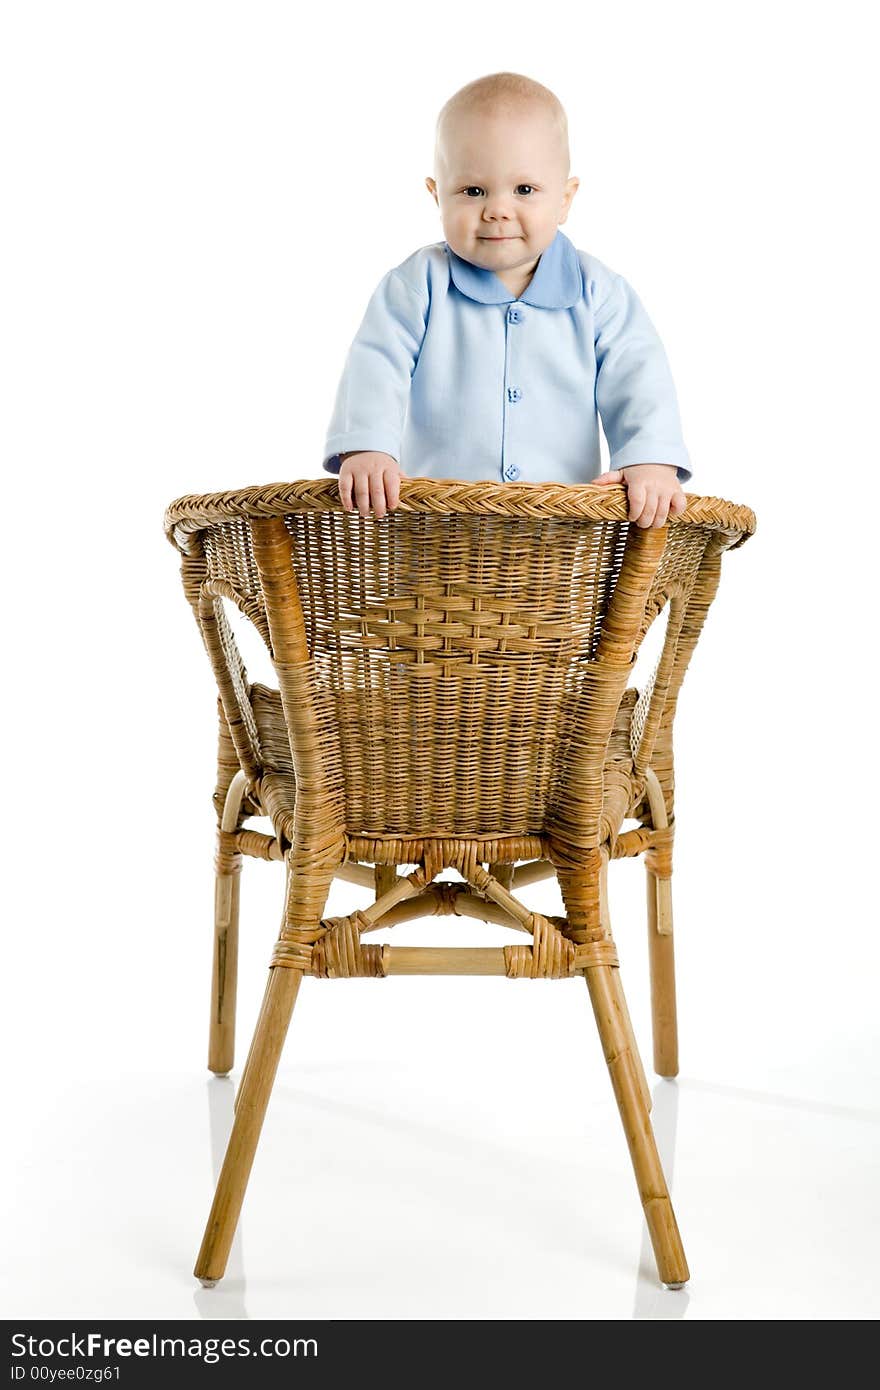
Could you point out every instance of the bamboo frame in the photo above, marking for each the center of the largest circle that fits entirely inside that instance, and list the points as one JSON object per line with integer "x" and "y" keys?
{"x": 288, "y": 753}
{"x": 224, "y": 972}
{"x": 661, "y": 950}
{"x": 622, "y": 1004}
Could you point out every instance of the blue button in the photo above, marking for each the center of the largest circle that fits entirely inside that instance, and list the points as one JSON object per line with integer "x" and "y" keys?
{"x": 514, "y": 316}
{"x": 514, "y": 393}
{"x": 511, "y": 472}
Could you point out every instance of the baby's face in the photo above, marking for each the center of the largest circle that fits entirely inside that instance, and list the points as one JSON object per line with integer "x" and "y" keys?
{"x": 502, "y": 187}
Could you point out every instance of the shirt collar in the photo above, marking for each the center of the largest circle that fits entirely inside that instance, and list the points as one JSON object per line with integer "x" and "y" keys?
{"x": 556, "y": 284}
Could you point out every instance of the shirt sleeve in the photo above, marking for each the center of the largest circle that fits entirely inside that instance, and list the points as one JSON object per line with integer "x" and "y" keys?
{"x": 373, "y": 393}
{"x": 635, "y": 393}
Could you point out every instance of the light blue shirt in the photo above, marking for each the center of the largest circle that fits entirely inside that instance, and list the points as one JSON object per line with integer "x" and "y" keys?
{"x": 454, "y": 377}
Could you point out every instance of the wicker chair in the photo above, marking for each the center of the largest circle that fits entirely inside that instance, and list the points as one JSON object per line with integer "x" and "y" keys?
{"x": 452, "y": 692}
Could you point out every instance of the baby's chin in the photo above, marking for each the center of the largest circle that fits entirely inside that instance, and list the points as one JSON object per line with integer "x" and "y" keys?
{"x": 494, "y": 250}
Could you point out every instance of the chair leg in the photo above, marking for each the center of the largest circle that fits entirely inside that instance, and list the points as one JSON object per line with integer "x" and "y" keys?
{"x": 660, "y": 949}
{"x": 252, "y": 1102}
{"x": 241, "y": 1085}
{"x": 647, "y": 1098}
{"x": 605, "y": 919}
{"x": 661, "y": 954}
{"x": 224, "y": 971}
{"x": 606, "y": 996}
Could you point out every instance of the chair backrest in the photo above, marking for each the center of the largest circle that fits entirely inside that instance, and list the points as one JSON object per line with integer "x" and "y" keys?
{"x": 455, "y": 668}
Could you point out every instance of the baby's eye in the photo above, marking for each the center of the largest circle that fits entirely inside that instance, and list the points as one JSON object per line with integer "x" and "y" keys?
{"x": 473, "y": 190}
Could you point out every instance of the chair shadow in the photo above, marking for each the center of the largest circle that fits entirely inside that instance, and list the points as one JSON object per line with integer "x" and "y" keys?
{"x": 652, "y": 1300}
{"x": 816, "y": 1107}
{"x": 226, "y": 1299}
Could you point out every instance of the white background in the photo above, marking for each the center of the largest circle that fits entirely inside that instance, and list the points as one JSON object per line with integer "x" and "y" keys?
{"x": 199, "y": 199}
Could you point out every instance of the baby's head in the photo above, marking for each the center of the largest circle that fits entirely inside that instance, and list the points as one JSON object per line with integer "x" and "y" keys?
{"x": 501, "y": 165}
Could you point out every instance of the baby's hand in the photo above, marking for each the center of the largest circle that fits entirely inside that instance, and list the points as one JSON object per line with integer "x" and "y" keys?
{"x": 652, "y": 489}
{"x": 374, "y": 477}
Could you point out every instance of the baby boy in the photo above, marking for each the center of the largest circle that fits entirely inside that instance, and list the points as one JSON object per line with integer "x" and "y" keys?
{"x": 492, "y": 354}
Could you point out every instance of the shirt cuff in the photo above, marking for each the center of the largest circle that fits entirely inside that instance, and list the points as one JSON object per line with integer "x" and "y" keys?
{"x": 654, "y": 453}
{"x": 355, "y": 442}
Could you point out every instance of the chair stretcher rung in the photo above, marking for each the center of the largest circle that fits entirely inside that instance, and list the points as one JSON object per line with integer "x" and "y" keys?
{"x": 446, "y": 960}
{"x": 472, "y": 960}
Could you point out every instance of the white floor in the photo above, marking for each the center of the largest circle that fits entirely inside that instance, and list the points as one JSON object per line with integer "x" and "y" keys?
{"x": 450, "y": 1149}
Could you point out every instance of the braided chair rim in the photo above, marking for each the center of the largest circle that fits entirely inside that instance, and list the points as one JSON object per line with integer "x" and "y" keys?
{"x": 190, "y": 514}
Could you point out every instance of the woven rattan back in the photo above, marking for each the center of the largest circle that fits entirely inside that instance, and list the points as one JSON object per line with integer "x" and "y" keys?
{"x": 463, "y": 654}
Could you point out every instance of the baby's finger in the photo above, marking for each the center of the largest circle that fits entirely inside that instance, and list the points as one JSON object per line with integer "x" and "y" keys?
{"x": 377, "y": 493}
{"x": 345, "y": 481}
{"x": 678, "y": 504}
{"x": 392, "y": 488}
{"x": 649, "y": 506}
{"x": 662, "y": 512}
{"x": 636, "y": 496}
{"x": 615, "y": 476}
{"x": 362, "y": 493}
